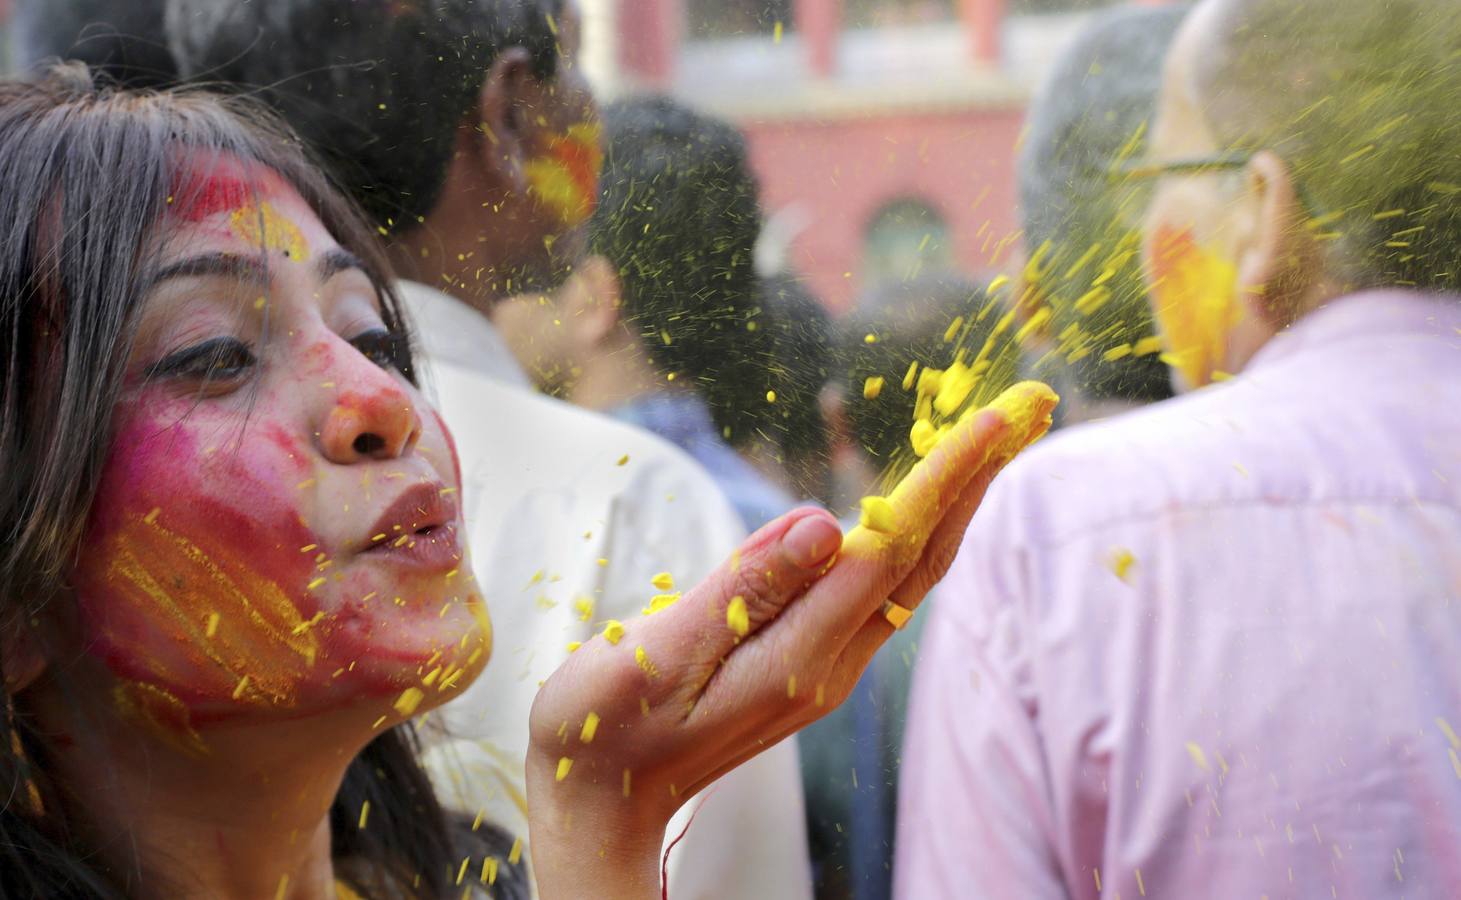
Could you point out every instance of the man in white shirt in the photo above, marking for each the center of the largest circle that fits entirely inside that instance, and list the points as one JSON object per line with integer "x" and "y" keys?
{"x": 469, "y": 136}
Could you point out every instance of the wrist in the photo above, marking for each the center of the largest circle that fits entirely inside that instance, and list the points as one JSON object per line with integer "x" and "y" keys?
{"x": 588, "y": 839}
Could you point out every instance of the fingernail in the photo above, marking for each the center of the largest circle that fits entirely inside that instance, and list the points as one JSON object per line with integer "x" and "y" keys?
{"x": 811, "y": 541}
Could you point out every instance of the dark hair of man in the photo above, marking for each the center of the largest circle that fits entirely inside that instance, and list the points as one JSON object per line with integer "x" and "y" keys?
{"x": 910, "y": 321}
{"x": 88, "y": 174}
{"x": 1092, "y": 112}
{"x": 801, "y": 366}
{"x": 678, "y": 219}
{"x": 377, "y": 88}
{"x": 1359, "y": 98}
{"x": 123, "y": 40}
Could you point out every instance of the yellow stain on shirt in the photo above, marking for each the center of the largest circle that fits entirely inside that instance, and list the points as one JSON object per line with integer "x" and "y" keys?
{"x": 1199, "y": 757}
{"x": 1121, "y": 561}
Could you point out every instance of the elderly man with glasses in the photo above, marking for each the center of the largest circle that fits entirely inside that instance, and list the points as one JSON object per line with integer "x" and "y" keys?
{"x": 1209, "y": 648}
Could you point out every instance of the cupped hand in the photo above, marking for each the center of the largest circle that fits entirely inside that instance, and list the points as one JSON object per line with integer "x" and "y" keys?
{"x": 641, "y": 718}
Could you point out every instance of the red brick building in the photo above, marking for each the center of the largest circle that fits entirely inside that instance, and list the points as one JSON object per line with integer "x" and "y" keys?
{"x": 883, "y": 131}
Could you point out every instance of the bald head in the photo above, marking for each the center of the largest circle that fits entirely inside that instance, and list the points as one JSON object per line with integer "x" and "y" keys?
{"x": 1359, "y": 98}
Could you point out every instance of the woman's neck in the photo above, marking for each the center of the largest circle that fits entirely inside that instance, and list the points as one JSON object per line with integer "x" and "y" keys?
{"x": 247, "y": 819}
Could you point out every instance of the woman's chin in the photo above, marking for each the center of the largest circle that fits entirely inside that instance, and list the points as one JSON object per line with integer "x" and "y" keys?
{"x": 414, "y": 655}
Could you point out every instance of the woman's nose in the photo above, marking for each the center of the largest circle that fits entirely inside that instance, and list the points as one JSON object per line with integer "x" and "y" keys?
{"x": 380, "y": 423}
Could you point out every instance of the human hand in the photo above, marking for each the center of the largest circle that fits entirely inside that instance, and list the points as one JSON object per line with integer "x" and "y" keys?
{"x": 626, "y": 731}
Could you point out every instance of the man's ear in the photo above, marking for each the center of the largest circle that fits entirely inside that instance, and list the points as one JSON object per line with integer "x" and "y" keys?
{"x": 592, "y": 306}
{"x": 507, "y": 117}
{"x": 1278, "y": 257}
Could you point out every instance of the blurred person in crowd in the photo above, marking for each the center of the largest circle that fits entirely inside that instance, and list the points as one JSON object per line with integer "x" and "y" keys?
{"x": 660, "y": 324}
{"x": 1081, "y": 226}
{"x": 792, "y": 445}
{"x": 1208, "y": 648}
{"x": 850, "y": 759}
{"x": 468, "y": 134}
{"x": 123, "y": 41}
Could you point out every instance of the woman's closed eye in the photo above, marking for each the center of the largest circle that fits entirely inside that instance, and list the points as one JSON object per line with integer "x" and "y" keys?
{"x": 387, "y": 349}
{"x": 216, "y": 360}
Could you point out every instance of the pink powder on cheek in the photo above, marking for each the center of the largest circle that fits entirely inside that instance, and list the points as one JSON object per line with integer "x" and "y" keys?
{"x": 290, "y": 448}
{"x": 180, "y": 543}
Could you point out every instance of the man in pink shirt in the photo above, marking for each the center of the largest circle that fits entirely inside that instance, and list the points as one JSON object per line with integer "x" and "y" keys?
{"x": 1213, "y": 648}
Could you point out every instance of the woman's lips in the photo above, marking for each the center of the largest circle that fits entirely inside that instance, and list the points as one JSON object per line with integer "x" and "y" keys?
{"x": 436, "y": 548}
{"x": 418, "y": 530}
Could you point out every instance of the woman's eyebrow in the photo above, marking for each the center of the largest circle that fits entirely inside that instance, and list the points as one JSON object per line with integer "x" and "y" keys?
{"x": 251, "y": 268}
{"x": 226, "y": 265}
{"x": 336, "y": 260}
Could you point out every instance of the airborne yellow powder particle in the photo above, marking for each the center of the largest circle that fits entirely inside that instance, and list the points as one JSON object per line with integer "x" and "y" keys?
{"x": 590, "y": 728}
{"x": 645, "y": 663}
{"x": 408, "y": 701}
{"x": 736, "y": 616}
{"x": 878, "y": 515}
{"x": 924, "y": 437}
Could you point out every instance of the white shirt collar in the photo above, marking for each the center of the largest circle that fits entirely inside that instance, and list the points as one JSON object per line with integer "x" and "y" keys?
{"x": 453, "y": 333}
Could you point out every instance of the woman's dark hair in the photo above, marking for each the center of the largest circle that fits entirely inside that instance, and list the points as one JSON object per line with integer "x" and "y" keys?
{"x": 88, "y": 173}
{"x": 678, "y": 218}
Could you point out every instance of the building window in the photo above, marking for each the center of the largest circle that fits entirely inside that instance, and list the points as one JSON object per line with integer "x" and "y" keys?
{"x": 711, "y": 19}
{"x": 1057, "y": 6}
{"x": 893, "y": 13}
{"x": 905, "y": 238}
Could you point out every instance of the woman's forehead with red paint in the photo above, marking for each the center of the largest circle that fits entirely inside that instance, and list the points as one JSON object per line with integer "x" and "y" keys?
{"x": 207, "y": 184}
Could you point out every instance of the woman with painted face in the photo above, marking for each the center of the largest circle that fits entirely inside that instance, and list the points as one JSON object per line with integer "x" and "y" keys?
{"x": 232, "y": 571}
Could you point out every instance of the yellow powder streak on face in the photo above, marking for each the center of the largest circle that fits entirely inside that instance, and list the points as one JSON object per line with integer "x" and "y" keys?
{"x": 162, "y": 710}
{"x": 155, "y": 567}
{"x": 1196, "y": 310}
{"x": 262, "y": 224}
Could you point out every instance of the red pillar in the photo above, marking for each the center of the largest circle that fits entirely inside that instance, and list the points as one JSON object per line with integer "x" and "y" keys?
{"x": 982, "y": 19}
{"x": 649, "y": 40}
{"x": 819, "y": 23}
